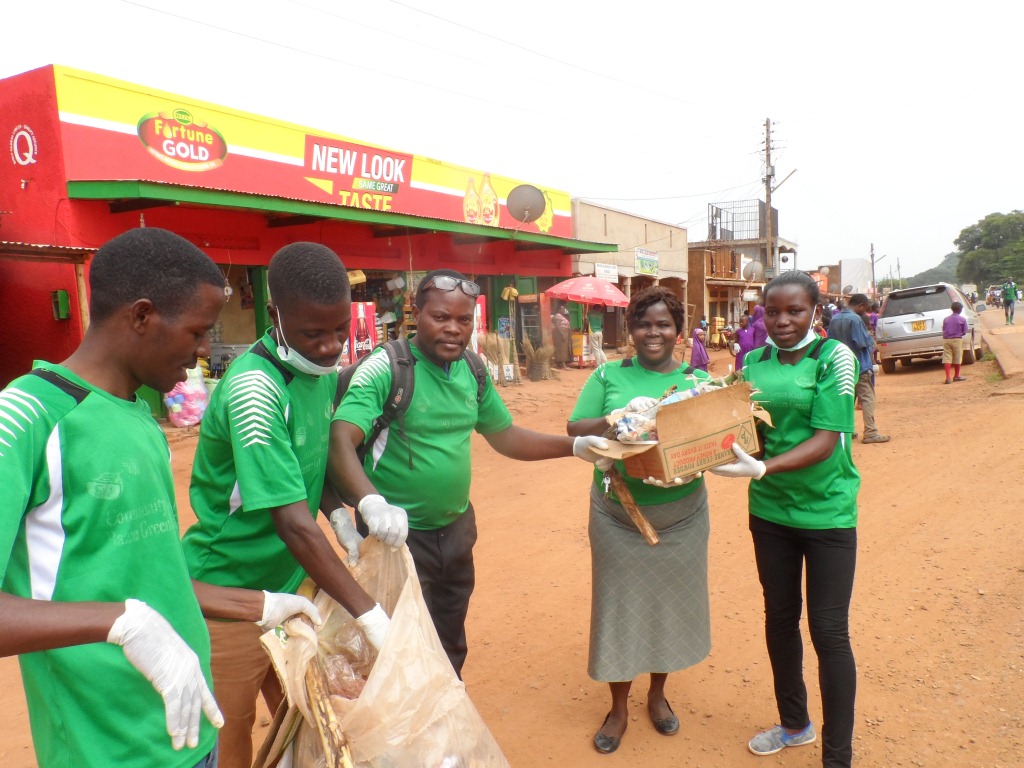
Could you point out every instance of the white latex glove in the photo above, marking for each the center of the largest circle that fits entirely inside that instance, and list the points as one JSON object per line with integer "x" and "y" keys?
{"x": 388, "y": 523}
{"x": 581, "y": 448}
{"x": 375, "y": 624}
{"x": 347, "y": 534}
{"x": 744, "y": 466}
{"x": 280, "y": 606}
{"x": 641, "y": 404}
{"x": 674, "y": 482}
{"x": 158, "y": 652}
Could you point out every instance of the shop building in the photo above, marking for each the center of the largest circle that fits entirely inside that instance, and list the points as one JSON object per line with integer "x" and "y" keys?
{"x": 729, "y": 269}
{"x": 91, "y": 157}
{"x": 646, "y": 252}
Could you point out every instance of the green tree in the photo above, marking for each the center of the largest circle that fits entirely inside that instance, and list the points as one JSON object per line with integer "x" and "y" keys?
{"x": 992, "y": 249}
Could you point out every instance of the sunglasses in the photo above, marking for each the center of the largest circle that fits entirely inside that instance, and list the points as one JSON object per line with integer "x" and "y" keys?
{"x": 447, "y": 283}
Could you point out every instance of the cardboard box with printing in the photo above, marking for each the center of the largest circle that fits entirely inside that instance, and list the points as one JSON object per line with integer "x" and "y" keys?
{"x": 695, "y": 435}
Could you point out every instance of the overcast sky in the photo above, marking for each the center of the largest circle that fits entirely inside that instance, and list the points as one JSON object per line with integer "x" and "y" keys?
{"x": 902, "y": 119}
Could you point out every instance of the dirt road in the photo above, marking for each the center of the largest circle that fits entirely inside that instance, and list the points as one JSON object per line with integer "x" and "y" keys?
{"x": 936, "y": 618}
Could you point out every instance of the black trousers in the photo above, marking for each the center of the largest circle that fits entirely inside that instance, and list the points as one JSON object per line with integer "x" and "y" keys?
{"x": 831, "y": 557}
{"x": 444, "y": 567}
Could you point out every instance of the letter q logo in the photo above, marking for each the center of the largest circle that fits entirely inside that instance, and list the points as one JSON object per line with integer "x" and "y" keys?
{"x": 24, "y": 146}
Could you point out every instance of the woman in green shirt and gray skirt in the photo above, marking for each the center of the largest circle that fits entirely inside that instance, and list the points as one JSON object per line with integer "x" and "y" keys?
{"x": 649, "y": 609}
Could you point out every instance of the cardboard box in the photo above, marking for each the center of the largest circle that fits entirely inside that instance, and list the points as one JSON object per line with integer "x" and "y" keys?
{"x": 695, "y": 435}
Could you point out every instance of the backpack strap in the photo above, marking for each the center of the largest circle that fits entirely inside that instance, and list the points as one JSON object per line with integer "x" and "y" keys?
{"x": 260, "y": 349}
{"x": 479, "y": 369}
{"x": 75, "y": 391}
{"x": 816, "y": 350}
{"x": 403, "y": 384}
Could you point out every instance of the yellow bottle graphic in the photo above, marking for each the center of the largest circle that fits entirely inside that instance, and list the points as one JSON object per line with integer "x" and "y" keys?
{"x": 471, "y": 204}
{"x": 545, "y": 220}
{"x": 490, "y": 208}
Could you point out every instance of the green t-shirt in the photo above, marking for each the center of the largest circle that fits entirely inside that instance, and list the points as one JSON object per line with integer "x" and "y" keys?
{"x": 813, "y": 394}
{"x": 89, "y": 514}
{"x": 263, "y": 445}
{"x": 1010, "y": 291}
{"x": 423, "y": 466}
{"x": 611, "y": 386}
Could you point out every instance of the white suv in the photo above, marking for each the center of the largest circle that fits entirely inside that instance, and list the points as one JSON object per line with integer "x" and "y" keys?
{"x": 910, "y": 325}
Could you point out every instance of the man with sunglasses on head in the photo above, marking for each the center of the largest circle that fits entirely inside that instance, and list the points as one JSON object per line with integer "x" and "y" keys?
{"x": 413, "y": 486}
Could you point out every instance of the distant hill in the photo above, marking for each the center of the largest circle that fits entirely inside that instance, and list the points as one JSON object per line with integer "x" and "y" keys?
{"x": 944, "y": 273}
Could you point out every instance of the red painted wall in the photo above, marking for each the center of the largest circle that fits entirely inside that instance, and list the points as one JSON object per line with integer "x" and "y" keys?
{"x": 30, "y": 332}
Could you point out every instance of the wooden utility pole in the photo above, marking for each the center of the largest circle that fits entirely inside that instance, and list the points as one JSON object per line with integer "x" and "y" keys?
{"x": 769, "y": 174}
{"x": 874, "y": 285}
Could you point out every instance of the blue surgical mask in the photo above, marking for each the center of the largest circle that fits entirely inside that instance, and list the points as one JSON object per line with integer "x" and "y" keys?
{"x": 291, "y": 356}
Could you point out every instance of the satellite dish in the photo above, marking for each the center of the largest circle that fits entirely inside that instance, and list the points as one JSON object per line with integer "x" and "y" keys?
{"x": 847, "y": 289}
{"x": 753, "y": 270}
{"x": 833, "y": 287}
{"x": 525, "y": 203}
{"x": 823, "y": 271}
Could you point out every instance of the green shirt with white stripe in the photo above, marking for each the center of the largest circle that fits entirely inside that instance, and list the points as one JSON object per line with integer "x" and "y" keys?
{"x": 263, "y": 444}
{"x": 810, "y": 395}
{"x": 88, "y": 513}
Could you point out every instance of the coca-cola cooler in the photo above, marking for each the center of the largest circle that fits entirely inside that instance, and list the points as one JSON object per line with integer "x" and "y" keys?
{"x": 362, "y": 335}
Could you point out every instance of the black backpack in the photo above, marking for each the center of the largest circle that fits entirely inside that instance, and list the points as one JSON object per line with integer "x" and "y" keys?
{"x": 402, "y": 385}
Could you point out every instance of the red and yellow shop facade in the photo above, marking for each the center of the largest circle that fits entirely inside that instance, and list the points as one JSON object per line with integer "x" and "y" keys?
{"x": 90, "y": 157}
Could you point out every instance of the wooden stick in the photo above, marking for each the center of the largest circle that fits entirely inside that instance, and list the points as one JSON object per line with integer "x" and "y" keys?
{"x": 631, "y": 507}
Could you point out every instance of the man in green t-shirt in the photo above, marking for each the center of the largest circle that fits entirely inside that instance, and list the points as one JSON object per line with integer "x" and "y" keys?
{"x": 414, "y": 484}
{"x": 1009, "y": 299}
{"x": 258, "y": 478}
{"x": 89, "y": 550}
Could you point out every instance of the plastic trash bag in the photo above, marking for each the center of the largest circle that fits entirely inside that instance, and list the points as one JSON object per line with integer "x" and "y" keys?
{"x": 187, "y": 402}
{"x": 412, "y": 710}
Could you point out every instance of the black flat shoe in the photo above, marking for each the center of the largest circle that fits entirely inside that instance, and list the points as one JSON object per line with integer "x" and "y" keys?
{"x": 666, "y": 726}
{"x": 607, "y": 744}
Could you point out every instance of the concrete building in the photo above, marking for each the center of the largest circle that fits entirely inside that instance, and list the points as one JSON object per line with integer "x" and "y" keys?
{"x": 649, "y": 253}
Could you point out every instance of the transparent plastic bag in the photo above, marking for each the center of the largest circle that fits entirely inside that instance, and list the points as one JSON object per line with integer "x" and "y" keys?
{"x": 187, "y": 402}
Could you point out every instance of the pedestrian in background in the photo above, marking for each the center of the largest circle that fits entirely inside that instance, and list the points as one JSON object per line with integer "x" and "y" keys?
{"x": 757, "y": 325}
{"x": 699, "y": 357}
{"x": 848, "y": 327}
{"x": 744, "y": 340}
{"x": 954, "y": 328}
{"x": 1009, "y": 299}
{"x": 561, "y": 337}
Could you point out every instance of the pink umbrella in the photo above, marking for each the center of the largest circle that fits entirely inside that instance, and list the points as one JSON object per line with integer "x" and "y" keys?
{"x": 588, "y": 290}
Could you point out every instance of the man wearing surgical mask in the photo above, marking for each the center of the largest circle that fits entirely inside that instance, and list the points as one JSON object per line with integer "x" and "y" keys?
{"x": 258, "y": 478}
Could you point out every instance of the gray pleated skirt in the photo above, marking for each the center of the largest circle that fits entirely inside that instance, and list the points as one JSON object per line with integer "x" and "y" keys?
{"x": 650, "y": 609}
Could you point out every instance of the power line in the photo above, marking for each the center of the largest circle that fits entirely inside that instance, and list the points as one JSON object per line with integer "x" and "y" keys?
{"x": 541, "y": 55}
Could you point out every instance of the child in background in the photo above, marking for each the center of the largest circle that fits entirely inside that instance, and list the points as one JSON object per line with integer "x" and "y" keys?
{"x": 699, "y": 357}
{"x": 954, "y": 328}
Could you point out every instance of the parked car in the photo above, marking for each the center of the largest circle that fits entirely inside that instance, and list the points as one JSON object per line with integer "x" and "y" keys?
{"x": 910, "y": 325}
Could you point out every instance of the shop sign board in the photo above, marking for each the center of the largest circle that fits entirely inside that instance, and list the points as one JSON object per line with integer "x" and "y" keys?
{"x": 646, "y": 262}
{"x": 609, "y": 272}
{"x": 113, "y": 130}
